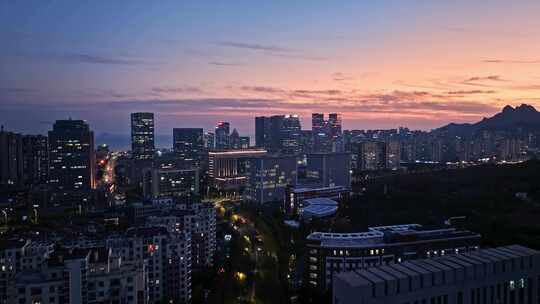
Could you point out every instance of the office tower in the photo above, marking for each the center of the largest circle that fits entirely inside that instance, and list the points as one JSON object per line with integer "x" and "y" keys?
{"x": 227, "y": 169}
{"x": 269, "y": 177}
{"x": 189, "y": 143}
{"x": 71, "y": 156}
{"x": 209, "y": 139}
{"x": 278, "y": 133}
{"x": 509, "y": 274}
{"x": 331, "y": 253}
{"x": 322, "y": 140}
{"x": 262, "y": 132}
{"x": 142, "y": 136}
{"x": 290, "y": 135}
{"x": 234, "y": 140}
{"x": 329, "y": 169}
{"x": 11, "y": 159}
{"x": 334, "y": 125}
{"x": 306, "y": 141}
{"x": 170, "y": 182}
{"x": 222, "y": 135}
{"x": 36, "y": 159}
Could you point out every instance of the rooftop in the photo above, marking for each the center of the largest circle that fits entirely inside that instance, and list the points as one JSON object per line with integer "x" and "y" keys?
{"x": 384, "y": 235}
{"x": 319, "y": 207}
{"x": 307, "y": 188}
{"x": 364, "y": 278}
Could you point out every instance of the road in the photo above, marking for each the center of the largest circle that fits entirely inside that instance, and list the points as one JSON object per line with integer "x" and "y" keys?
{"x": 256, "y": 248}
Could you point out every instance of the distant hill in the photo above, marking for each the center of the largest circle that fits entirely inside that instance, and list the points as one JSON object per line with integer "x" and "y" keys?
{"x": 522, "y": 118}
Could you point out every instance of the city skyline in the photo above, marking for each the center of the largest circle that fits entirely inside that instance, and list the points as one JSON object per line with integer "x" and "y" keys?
{"x": 278, "y": 151}
{"x": 384, "y": 65}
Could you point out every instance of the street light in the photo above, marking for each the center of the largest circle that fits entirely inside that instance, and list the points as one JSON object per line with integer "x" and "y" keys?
{"x": 4, "y": 211}
{"x": 35, "y": 213}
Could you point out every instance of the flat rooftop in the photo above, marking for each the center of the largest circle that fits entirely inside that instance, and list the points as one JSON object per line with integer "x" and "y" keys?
{"x": 305, "y": 188}
{"x": 385, "y": 235}
{"x": 361, "y": 278}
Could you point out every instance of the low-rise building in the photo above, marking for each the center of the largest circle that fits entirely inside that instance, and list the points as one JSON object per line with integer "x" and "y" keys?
{"x": 508, "y": 274}
{"x": 295, "y": 196}
{"x": 317, "y": 208}
{"x": 330, "y": 253}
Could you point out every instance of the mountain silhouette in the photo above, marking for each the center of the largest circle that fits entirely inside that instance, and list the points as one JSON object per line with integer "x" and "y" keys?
{"x": 524, "y": 118}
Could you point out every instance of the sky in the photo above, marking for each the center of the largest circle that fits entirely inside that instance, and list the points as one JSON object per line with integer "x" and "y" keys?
{"x": 382, "y": 64}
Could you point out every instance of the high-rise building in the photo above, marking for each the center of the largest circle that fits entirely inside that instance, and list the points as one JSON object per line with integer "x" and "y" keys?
{"x": 278, "y": 133}
{"x": 329, "y": 169}
{"x": 11, "y": 159}
{"x": 196, "y": 219}
{"x": 170, "y": 182}
{"x": 371, "y": 155}
{"x": 167, "y": 260}
{"x": 222, "y": 135}
{"x": 189, "y": 143}
{"x": 262, "y": 132}
{"x": 334, "y": 125}
{"x": 269, "y": 177}
{"x": 142, "y": 135}
{"x": 377, "y": 155}
{"x": 209, "y": 140}
{"x": 71, "y": 157}
{"x": 291, "y": 136}
{"x": 509, "y": 274}
{"x": 36, "y": 159}
{"x": 393, "y": 155}
{"x": 234, "y": 140}
{"x": 322, "y": 139}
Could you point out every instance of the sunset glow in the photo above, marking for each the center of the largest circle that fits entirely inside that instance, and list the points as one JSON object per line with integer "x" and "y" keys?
{"x": 381, "y": 63}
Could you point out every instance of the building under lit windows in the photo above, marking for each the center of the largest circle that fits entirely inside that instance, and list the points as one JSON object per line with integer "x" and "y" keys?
{"x": 159, "y": 182}
{"x": 36, "y": 159}
{"x": 326, "y": 132}
{"x": 509, "y": 274}
{"x": 329, "y": 169}
{"x": 188, "y": 143}
{"x": 377, "y": 155}
{"x": 331, "y": 253}
{"x": 295, "y": 196}
{"x": 278, "y": 133}
{"x": 227, "y": 168}
{"x": 71, "y": 158}
{"x": 269, "y": 176}
{"x": 142, "y": 135}
{"x": 222, "y": 133}
{"x": 11, "y": 159}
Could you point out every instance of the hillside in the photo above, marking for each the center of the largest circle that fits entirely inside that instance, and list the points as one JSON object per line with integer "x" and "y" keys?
{"x": 522, "y": 118}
